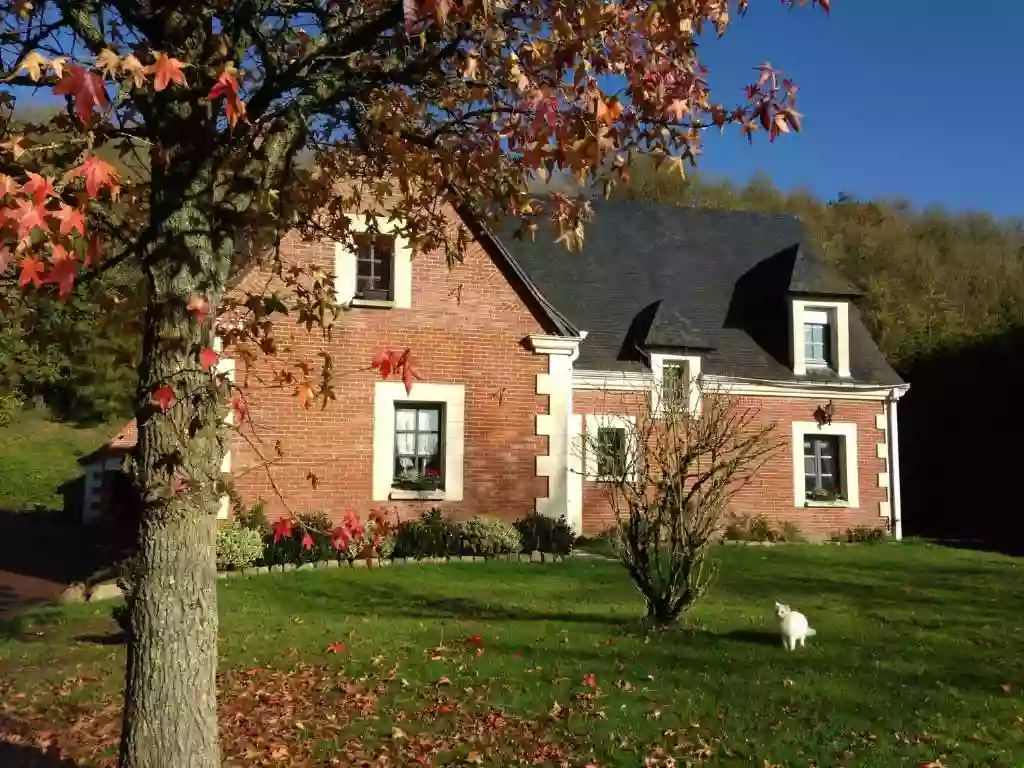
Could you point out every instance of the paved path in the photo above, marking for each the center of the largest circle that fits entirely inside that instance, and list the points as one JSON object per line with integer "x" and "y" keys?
{"x": 18, "y": 592}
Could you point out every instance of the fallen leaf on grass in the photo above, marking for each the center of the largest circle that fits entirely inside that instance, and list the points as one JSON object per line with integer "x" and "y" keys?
{"x": 336, "y": 648}
{"x": 590, "y": 680}
{"x": 444, "y": 681}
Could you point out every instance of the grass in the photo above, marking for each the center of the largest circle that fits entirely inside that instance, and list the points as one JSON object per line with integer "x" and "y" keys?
{"x": 917, "y": 658}
{"x": 38, "y": 455}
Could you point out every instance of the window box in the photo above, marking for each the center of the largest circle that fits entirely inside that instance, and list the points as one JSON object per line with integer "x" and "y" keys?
{"x": 825, "y": 470}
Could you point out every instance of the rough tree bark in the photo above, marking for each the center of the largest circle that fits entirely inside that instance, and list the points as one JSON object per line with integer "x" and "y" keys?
{"x": 170, "y": 716}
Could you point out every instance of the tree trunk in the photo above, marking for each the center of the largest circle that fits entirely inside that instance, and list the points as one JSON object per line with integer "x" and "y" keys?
{"x": 170, "y": 715}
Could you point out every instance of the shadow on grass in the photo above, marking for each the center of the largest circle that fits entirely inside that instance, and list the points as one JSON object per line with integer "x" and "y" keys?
{"x": 752, "y": 636}
{"x": 111, "y": 638}
{"x": 22, "y": 756}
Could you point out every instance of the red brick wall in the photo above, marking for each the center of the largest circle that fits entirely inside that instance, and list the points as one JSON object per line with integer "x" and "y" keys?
{"x": 466, "y": 326}
{"x": 770, "y": 493}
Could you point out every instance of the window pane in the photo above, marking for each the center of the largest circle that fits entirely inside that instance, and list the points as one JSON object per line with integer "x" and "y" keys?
{"x": 428, "y": 420}
{"x": 426, "y": 444}
{"x": 810, "y": 483}
{"x": 405, "y": 466}
{"x": 405, "y": 443}
{"x": 405, "y": 420}
{"x": 810, "y": 465}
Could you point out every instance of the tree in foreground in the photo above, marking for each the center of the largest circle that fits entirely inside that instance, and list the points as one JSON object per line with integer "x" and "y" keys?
{"x": 406, "y": 109}
{"x": 670, "y": 470}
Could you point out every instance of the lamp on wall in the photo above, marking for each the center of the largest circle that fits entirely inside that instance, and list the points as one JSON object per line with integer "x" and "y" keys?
{"x": 823, "y": 414}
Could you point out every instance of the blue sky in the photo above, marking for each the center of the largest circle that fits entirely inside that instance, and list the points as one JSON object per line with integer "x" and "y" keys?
{"x": 911, "y": 98}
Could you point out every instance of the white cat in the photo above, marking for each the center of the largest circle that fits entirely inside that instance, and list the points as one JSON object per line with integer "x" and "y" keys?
{"x": 793, "y": 626}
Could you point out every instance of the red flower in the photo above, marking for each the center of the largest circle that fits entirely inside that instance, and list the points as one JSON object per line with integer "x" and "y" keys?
{"x": 431, "y": 473}
{"x": 307, "y": 541}
{"x": 282, "y": 528}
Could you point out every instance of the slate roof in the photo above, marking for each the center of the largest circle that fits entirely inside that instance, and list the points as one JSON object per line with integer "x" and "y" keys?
{"x": 696, "y": 279}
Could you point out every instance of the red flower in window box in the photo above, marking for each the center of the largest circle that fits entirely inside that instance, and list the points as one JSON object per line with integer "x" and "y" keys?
{"x": 433, "y": 474}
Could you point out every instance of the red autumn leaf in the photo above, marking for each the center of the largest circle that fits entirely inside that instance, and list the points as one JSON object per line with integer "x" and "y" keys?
{"x": 167, "y": 71}
{"x": 62, "y": 274}
{"x": 336, "y": 648}
{"x": 479, "y": 651}
{"x": 98, "y": 173}
{"x": 307, "y": 541}
{"x": 28, "y": 215}
{"x": 589, "y": 680}
{"x": 473, "y": 640}
{"x": 340, "y": 538}
{"x": 208, "y": 358}
{"x": 39, "y": 187}
{"x": 410, "y": 9}
{"x": 227, "y": 86}
{"x": 282, "y": 528}
{"x": 238, "y": 405}
{"x": 384, "y": 362}
{"x": 163, "y": 396}
{"x": 71, "y": 219}
{"x": 31, "y": 272}
{"x": 87, "y": 89}
{"x": 198, "y": 306}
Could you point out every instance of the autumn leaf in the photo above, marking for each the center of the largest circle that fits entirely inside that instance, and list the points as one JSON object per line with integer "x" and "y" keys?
{"x": 34, "y": 63}
{"x": 305, "y": 393}
{"x": 340, "y": 538}
{"x": 313, "y": 479}
{"x": 108, "y": 62}
{"x": 590, "y": 680}
{"x": 14, "y": 145}
{"x": 207, "y": 359}
{"x": 239, "y": 407}
{"x": 677, "y": 109}
{"x": 198, "y": 306}
{"x": 62, "y": 274}
{"x": 86, "y": 87}
{"x": 98, "y": 173}
{"x": 135, "y": 68}
{"x": 167, "y": 71}
{"x": 282, "y": 529}
{"x": 307, "y": 541}
{"x": 178, "y": 485}
{"x": 31, "y": 272}
{"x": 28, "y": 216}
{"x": 57, "y": 65}
{"x": 71, "y": 219}
{"x": 227, "y": 86}
{"x": 336, "y": 648}
{"x": 383, "y": 361}
{"x": 163, "y": 396}
{"x": 473, "y": 640}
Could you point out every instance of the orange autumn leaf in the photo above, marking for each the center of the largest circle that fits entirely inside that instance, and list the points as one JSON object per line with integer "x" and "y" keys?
{"x": 98, "y": 173}
{"x": 208, "y": 358}
{"x": 31, "y": 272}
{"x": 305, "y": 393}
{"x": 167, "y": 70}
{"x": 162, "y": 397}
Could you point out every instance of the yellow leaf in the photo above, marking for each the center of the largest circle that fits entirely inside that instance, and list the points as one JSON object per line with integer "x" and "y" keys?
{"x": 135, "y": 68}
{"x": 57, "y": 65}
{"x": 34, "y": 63}
{"x": 108, "y": 62}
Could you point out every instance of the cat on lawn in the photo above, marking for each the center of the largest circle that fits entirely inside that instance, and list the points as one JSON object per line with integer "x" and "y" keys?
{"x": 793, "y": 626}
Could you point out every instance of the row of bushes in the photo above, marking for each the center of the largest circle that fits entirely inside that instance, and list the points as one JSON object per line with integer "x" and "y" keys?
{"x": 252, "y": 541}
{"x": 759, "y": 528}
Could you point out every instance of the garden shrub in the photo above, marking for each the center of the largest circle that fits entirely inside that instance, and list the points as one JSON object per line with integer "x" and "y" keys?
{"x": 254, "y": 517}
{"x": 364, "y": 547}
{"x": 759, "y": 528}
{"x": 486, "y": 537}
{"x": 862, "y": 534}
{"x": 10, "y": 405}
{"x": 431, "y": 535}
{"x": 238, "y": 547}
{"x": 546, "y": 534}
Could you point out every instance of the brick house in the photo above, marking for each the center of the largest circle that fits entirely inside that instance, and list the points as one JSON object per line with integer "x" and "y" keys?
{"x": 524, "y": 347}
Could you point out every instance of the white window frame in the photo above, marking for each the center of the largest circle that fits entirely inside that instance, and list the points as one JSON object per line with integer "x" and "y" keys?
{"x": 837, "y": 314}
{"x": 594, "y": 422}
{"x": 452, "y": 397}
{"x": 846, "y": 463}
{"x": 345, "y": 267}
{"x": 692, "y": 365}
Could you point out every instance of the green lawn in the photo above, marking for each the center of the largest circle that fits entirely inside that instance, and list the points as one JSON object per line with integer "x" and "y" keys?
{"x": 38, "y": 455}
{"x": 918, "y": 658}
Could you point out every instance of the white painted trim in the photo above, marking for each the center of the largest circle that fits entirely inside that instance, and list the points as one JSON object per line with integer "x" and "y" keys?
{"x": 880, "y": 421}
{"x": 838, "y": 315}
{"x": 345, "y": 266}
{"x": 556, "y": 425}
{"x": 848, "y": 461}
{"x": 555, "y": 345}
{"x": 881, "y": 451}
{"x": 884, "y": 509}
{"x": 594, "y": 422}
{"x": 639, "y": 381}
{"x": 883, "y": 479}
{"x": 691, "y": 363}
{"x": 453, "y": 397}
{"x": 893, "y": 441}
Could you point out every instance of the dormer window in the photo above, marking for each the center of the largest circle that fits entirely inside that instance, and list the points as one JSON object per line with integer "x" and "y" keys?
{"x": 676, "y": 383}
{"x": 375, "y": 261}
{"x": 820, "y": 337}
{"x": 817, "y": 339}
